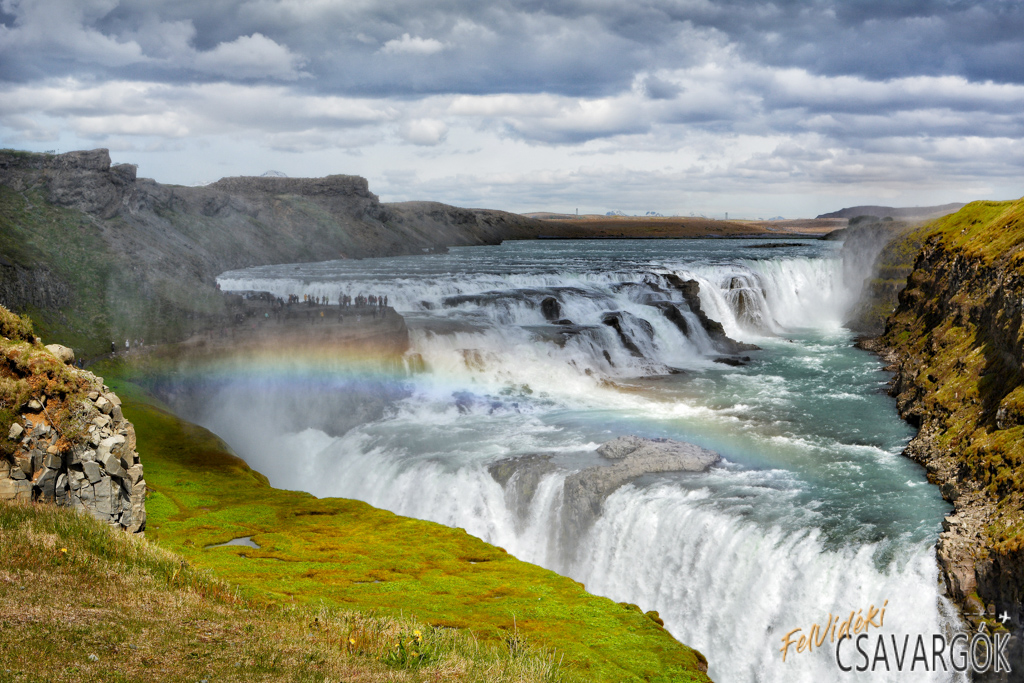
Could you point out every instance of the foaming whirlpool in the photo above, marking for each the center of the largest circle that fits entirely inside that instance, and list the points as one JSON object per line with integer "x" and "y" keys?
{"x": 527, "y": 356}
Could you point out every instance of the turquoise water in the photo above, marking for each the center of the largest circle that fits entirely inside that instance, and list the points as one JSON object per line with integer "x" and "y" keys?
{"x": 813, "y": 509}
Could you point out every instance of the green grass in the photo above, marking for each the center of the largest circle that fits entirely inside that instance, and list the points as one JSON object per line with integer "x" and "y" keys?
{"x": 346, "y": 554}
{"x": 81, "y": 602}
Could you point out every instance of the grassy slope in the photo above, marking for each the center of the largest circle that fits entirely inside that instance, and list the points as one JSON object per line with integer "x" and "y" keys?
{"x": 348, "y": 554}
{"x": 80, "y": 602}
{"x": 954, "y": 325}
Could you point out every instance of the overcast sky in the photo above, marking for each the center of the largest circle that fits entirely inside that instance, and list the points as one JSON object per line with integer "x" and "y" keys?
{"x": 678, "y": 106}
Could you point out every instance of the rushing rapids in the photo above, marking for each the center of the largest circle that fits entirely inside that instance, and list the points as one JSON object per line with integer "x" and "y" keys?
{"x": 527, "y": 356}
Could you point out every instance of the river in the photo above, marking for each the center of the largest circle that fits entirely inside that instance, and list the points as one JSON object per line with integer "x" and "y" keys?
{"x": 812, "y": 511}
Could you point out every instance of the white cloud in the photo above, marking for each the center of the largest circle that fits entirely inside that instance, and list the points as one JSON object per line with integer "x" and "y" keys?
{"x": 413, "y": 45}
{"x": 254, "y": 56}
{"x": 720, "y": 133}
{"x": 426, "y": 132}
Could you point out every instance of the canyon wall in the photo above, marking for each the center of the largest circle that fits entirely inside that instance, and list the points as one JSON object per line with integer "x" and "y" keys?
{"x": 956, "y": 343}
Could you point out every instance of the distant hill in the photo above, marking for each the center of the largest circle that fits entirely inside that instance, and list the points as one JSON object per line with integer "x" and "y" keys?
{"x": 906, "y": 212}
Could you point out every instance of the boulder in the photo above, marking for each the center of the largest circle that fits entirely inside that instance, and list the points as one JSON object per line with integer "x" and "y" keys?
{"x": 134, "y": 517}
{"x": 16, "y": 431}
{"x": 12, "y": 490}
{"x": 92, "y": 471}
{"x": 45, "y": 483}
{"x": 585, "y": 491}
{"x": 106, "y": 498}
{"x": 551, "y": 309}
{"x": 108, "y": 445}
{"x": 112, "y": 464}
{"x": 63, "y": 353}
{"x": 134, "y": 473}
{"x": 61, "y": 490}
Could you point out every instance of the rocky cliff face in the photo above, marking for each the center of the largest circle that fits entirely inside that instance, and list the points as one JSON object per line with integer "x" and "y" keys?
{"x": 145, "y": 256}
{"x": 64, "y": 439}
{"x": 956, "y": 341}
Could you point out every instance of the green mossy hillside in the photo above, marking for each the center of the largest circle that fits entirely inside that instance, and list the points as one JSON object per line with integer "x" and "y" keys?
{"x": 958, "y": 333}
{"x": 347, "y": 554}
{"x": 882, "y": 289}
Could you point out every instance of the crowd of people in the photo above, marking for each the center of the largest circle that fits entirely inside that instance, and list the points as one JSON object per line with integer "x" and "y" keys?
{"x": 346, "y": 305}
{"x": 343, "y": 300}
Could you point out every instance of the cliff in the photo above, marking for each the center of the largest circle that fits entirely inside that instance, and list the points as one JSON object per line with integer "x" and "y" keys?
{"x": 956, "y": 342}
{"x": 63, "y": 437}
{"x": 96, "y": 253}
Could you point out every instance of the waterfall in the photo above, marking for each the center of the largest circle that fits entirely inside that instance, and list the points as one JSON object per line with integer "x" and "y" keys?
{"x": 533, "y": 355}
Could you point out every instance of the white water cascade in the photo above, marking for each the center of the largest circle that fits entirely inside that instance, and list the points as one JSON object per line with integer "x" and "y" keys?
{"x": 812, "y": 511}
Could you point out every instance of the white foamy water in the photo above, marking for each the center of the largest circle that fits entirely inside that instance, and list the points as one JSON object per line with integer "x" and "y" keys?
{"x": 813, "y": 511}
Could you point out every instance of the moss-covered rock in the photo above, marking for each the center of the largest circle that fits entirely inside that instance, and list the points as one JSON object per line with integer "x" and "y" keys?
{"x": 957, "y": 340}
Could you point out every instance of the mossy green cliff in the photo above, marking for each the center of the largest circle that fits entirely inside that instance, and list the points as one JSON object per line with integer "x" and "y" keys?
{"x": 956, "y": 341}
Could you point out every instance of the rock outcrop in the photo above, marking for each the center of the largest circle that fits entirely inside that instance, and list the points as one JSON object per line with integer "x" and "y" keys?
{"x": 65, "y": 439}
{"x": 631, "y": 457}
{"x": 690, "y": 289}
{"x": 624, "y": 459}
{"x": 956, "y": 343}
